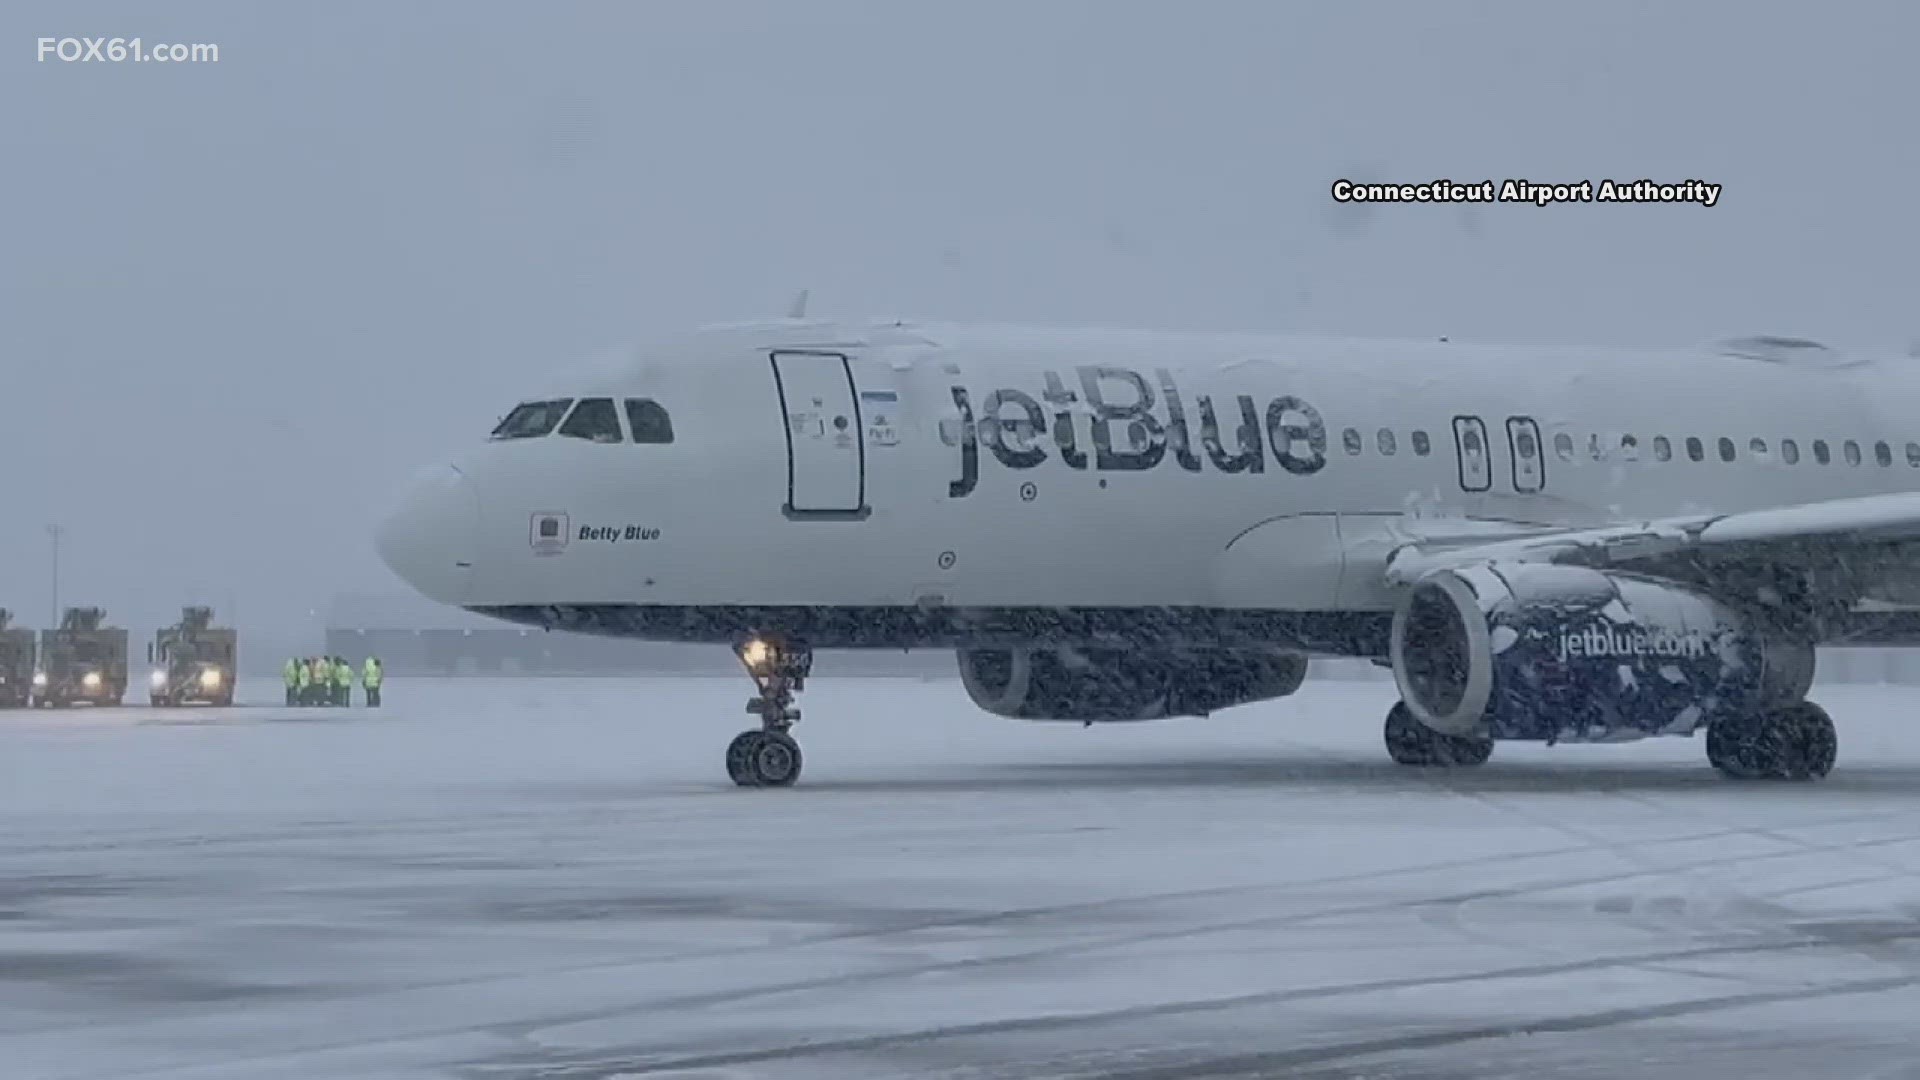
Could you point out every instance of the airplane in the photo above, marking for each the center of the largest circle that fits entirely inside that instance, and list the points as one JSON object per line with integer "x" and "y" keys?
{"x": 1554, "y": 544}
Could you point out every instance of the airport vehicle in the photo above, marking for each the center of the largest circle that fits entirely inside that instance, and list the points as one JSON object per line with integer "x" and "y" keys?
{"x": 193, "y": 661}
{"x": 16, "y": 663}
{"x": 81, "y": 661}
{"x": 1551, "y": 544}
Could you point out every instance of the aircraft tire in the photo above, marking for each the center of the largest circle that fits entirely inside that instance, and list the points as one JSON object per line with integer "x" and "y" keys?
{"x": 1409, "y": 742}
{"x": 740, "y": 757}
{"x": 763, "y": 759}
{"x": 1798, "y": 742}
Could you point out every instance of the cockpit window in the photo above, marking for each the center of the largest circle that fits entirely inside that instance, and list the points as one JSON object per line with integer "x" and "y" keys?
{"x": 649, "y": 421}
{"x": 532, "y": 419}
{"x": 595, "y": 420}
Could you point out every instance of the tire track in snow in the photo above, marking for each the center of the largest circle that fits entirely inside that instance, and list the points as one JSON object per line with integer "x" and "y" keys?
{"x": 1265, "y": 1064}
{"x": 1454, "y": 919}
{"x": 609, "y": 1067}
{"x": 1122, "y": 941}
{"x": 528, "y": 1029}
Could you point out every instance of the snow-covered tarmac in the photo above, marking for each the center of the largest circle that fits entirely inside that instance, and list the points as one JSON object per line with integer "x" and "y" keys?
{"x": 508, "y": 880}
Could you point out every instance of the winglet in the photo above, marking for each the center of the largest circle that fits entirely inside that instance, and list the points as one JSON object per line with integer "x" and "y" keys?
{"x": 799, "y": 308}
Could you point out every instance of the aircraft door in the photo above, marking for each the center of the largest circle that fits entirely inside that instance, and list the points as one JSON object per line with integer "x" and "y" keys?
{"x": 826, "y": 455}
{"x": 1529, "y": 456}
{"x": 1470, "y": 444}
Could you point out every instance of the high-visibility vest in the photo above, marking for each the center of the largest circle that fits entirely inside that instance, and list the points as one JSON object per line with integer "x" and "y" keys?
{"x": 342, "y": 675}
{"x": 301, "y": 676}
{"x": 370, "y": 677}
{"x": 292, "y": 673}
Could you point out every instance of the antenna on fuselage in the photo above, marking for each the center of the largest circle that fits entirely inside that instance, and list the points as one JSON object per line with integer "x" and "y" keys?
{"x": 799, "y": 308}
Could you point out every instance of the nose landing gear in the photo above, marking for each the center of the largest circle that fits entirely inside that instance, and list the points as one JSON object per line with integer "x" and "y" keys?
{"x": 769, "y": 756}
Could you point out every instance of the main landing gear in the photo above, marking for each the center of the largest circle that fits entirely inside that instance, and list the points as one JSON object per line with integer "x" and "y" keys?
{"x": 1410, "y": 742}
{"x": 1796, "y": 742}
{"x": 1792, "y": 743}
{"x": 768, "y": 756}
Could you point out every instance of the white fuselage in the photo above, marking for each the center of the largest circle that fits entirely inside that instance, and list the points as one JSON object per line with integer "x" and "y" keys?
{"x": 935, "y": 495}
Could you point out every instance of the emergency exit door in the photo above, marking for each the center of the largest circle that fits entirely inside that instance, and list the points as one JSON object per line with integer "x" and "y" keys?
{"x": 1529, "y": 456}
{"x": 826, "y": 457}
{"x": 1470, "y": 444}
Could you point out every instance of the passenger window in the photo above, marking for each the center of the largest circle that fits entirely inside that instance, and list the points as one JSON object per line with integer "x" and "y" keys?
{"x": 1789, "y": 451}
{"x": 1820, "y": 453}
{"x": 1883, "y": 454}
{"x": 1421, "y": 444}
{"x": 1385, "y": 441}
{"x": 1563, "y": 445}
{"x": 1350, "y": 439}
{"x": 1696, "y": 450}
{"x": 1758, "y": 447}
{"x": 649, "y": 421}
{"x": 532, "y": 420}
{"x": 1913, "y": 454}
{"x": 595, "y": 420}
{"x": 1726, "y": 449}
{"x": 1662, "y": 449}
{"x": 1596, "y": 448}
{"x": 1630, "y": 448}
{"x": 1853, "y": 451}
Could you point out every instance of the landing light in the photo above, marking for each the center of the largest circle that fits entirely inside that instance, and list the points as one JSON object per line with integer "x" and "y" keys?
{"x": 90, "y": 680}
{"x": 159, "y": 678}
{"x": 210, "y": 677}
{"x": 755, "y": 654}
{"x": 39, "y": 678}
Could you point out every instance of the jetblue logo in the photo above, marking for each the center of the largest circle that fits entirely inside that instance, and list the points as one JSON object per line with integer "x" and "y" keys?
{"x": 1134, "y": 429}
{"x": 1607, "y": 642}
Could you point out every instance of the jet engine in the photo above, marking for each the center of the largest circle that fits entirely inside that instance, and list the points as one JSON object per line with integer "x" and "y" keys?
{"x": 1089, "y": 685}
{"x": 1569, "y": 653}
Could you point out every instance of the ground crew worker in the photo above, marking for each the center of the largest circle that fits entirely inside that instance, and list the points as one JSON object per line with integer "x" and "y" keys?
{"x": 302, "y": 682}
{"x": 291, "y": 672}
{"x": 342, "y": 682}
{"x": 370, "y": 680}
{"x": 321, "y": 678}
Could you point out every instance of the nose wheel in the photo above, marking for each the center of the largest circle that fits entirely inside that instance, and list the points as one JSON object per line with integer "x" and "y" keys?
{"x": 769, "y": 756}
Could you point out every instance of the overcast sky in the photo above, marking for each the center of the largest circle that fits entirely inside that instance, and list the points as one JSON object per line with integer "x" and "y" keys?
{"x": 240, "y": 301}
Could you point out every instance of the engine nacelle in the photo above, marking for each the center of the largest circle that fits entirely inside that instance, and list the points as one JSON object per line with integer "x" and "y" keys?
{"x": 1089, "y": 685}
{"x": 1573, "y": 654}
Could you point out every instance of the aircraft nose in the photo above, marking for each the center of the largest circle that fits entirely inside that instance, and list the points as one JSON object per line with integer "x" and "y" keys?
{"x": 429, "y": 538}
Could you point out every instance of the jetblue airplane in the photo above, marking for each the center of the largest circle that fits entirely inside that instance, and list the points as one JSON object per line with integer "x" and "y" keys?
{"x": 1543, "y": 544}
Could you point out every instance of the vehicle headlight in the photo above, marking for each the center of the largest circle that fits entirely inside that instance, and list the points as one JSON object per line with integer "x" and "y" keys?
{"x": 39, "y": 678}
{"x": 210, "y": 677}
{"x": 90, "y": 679}
{"x": 159, "y": 677}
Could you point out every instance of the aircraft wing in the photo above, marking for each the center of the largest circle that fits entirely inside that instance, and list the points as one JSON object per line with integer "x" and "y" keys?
{"x": 1854, "y": 535}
